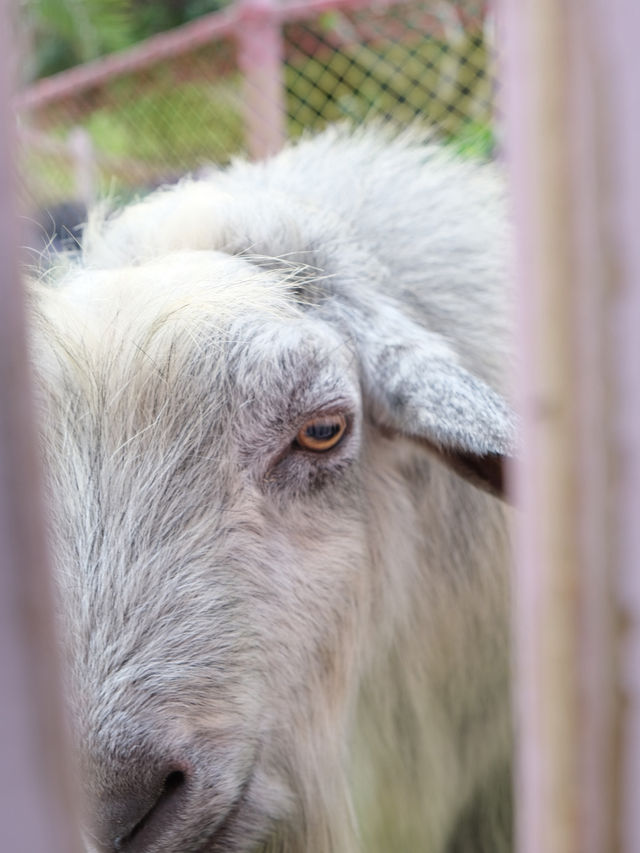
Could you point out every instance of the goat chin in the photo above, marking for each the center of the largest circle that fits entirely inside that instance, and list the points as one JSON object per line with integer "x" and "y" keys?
{"x": 273, "y": 416}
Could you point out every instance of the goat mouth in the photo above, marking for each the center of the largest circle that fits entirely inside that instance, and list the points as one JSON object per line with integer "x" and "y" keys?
{"x": 223, "y": 832}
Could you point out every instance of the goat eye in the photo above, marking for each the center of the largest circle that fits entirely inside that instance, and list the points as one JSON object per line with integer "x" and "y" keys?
{"x": 322, "y": 433}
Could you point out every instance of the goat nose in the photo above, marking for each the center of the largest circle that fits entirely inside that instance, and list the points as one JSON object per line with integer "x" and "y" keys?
{"x": 142, "y": 811}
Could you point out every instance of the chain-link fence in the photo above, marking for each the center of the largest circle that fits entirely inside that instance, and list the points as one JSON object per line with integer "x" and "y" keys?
{"x": 421, "y": 60}
{"x": 244, "y": 79}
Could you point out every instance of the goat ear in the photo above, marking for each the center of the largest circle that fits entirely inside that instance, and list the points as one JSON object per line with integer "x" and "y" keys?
{"x": 415, "y": 386}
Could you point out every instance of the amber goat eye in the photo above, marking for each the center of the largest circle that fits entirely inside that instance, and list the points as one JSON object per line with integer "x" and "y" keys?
{"x": 322, "y": 433}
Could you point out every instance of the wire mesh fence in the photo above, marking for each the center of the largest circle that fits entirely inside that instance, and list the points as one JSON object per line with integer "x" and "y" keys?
{"x": 185, "y": 100}
{"x": 412, "y": 61}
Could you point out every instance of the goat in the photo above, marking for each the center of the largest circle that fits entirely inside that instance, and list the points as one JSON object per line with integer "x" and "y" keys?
{"x": 273, "y": 422}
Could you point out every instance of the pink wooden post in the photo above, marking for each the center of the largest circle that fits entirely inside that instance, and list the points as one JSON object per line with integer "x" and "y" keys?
{"x": 573, "y": 136}
{"x": 85, "y": 169}
{"x": 261, "y": 60}
{"x": 615, "y": 28}
{"x": 34, "y": 783}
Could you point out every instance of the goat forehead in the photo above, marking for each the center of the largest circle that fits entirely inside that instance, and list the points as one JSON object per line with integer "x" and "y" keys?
{"x": 160, "y": 383}
{"x": 187, "y": 316}
{"x": 205, "y": 281}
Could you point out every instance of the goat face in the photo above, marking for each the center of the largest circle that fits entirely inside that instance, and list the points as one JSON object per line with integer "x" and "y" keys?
{"x": 251, "y": 532}
{"x": 211, "y": 541}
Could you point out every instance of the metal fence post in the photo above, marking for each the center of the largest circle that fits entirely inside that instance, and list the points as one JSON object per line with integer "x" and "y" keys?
{"x": 573, "y": 135}
{"x": 261, "y": 61}
{"x": 34, "y": 785}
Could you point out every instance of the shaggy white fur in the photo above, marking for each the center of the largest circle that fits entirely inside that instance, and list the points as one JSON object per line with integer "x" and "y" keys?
{"x": 270, "y": 647}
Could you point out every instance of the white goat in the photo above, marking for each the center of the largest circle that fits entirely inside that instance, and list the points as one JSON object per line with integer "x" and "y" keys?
{"x": 285, "y": 606}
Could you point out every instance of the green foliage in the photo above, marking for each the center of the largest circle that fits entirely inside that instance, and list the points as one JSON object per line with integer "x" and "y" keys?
{"x": 67, "y": 32}
{"x": 475, "y": 140}
{"x": 64, "y": 33}
{"x": 159, "y": 135}
{"x": 149, "y": 18}
{"x": 168, "y": 128}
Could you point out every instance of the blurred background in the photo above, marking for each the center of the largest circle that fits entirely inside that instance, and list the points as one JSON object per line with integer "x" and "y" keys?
{"x": 119, "y": 96}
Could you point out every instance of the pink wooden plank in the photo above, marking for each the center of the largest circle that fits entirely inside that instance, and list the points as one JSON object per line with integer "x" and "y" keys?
{"x": 545, "y": 486}
{"x": 573, "y": 136}
{"x": 35, "y": 805}
{"x": 617, "y": 25}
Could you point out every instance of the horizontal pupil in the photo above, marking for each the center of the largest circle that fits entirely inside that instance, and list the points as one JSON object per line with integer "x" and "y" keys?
{"x": 322, "y": 432}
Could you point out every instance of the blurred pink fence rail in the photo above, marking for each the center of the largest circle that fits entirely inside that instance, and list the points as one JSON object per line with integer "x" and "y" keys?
{"x": 245, "y": 79}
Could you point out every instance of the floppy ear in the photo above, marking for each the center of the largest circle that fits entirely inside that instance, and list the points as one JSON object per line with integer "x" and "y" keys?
{"x": 415, "y": 386}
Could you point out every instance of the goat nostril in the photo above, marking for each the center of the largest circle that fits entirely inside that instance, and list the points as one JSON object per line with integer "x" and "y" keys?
{"x": 153, "y": 821}
{"x": 172, "y": 782}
